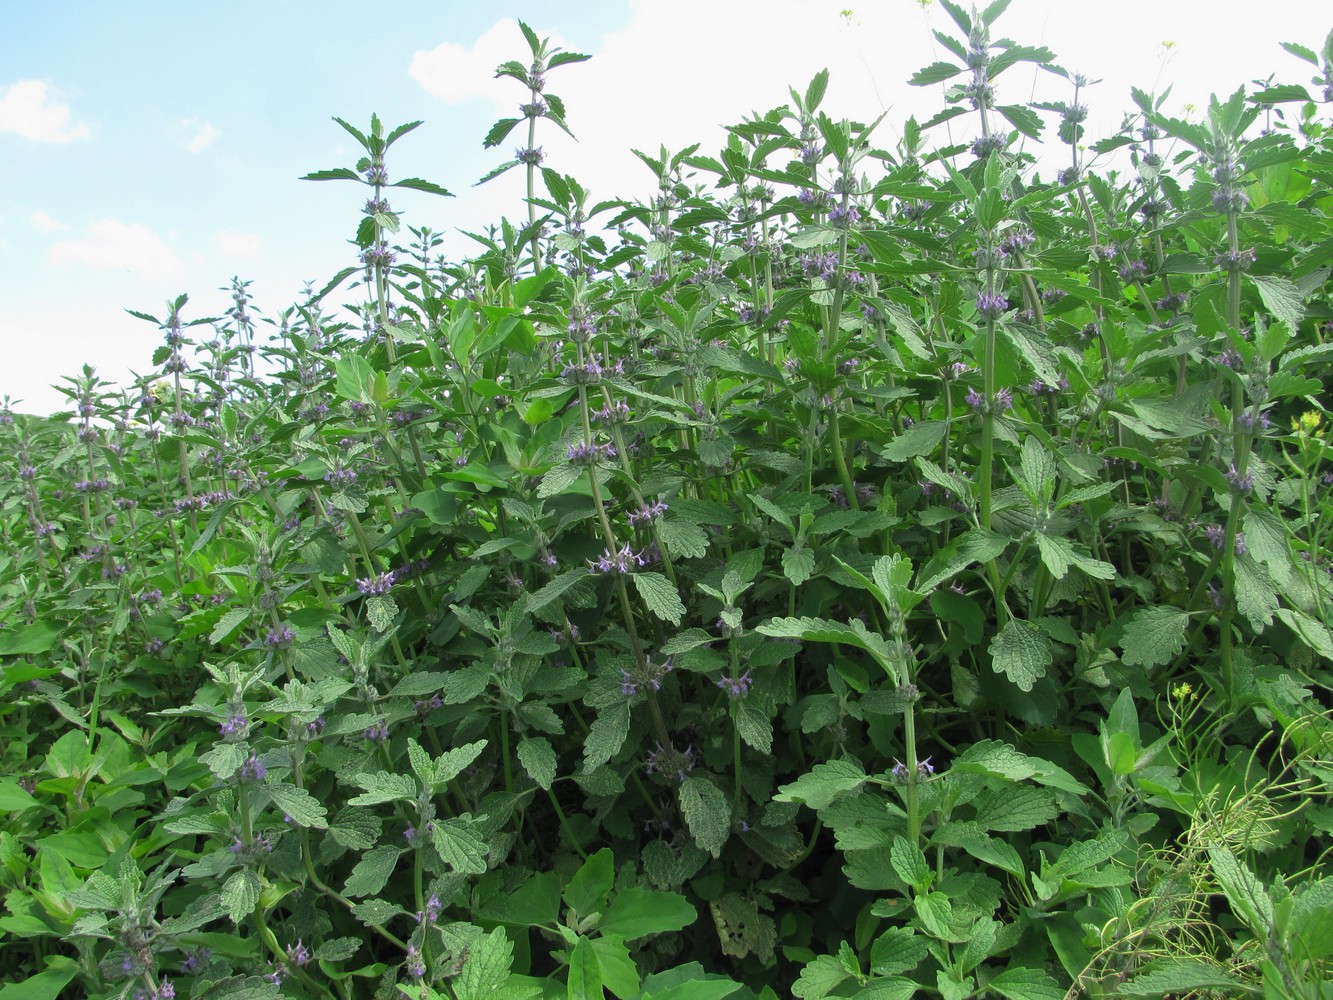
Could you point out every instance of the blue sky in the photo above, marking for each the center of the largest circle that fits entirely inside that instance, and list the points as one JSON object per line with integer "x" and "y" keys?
{"x": 153, "y": 148}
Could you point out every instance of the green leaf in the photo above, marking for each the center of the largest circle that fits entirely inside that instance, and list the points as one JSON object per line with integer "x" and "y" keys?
{"x": 30, "y": 640}
{"x": 1154, "y": 635}
{"x": 486, "y": 967}
{"x": 383, "y": 786}
{"x": 823, "y": 630}
{"x": 898, "y": 949}
{"x": 240, "y": 894}
{"x": 14, "y": 798}
{"x": 753, "y": 725}
{"x": 1027, "y": 984}
{"x": 228, "y": 624}
{"x": 919, "y": 439}
{"x": 637, "y": 912}
{"x": 1246, "y": 894}
{"x": 826, "y": 782}
{"x": 381, "y": 610}
{"x": 587, "y": 890}
{"x": 558, "y": 479}
{"x": 798, "y": 564}
{"x": 1256, "y": 598}
{"x": 707, "y": 814}
{"x": 606, "y": 735}
{"x": 819, "y": 978}
{"x": 1017, "y": 808}
{"x": 453, "y": 762}
{"x": 1281, "y": 297}
{"x": 935, "y": 911}
{"x": 660, "y": 595}
{"x": 1023, "y": 119}
{"x": 910, "y": 864}
{"x": 538, "y": 758}
{"x": 303, "y": 808}
{"x": 460, "y": 845}
{"x": 372, "y": 872}
{"x": 683, "y": 538}
{"x": 584, "y": 979}
{"x": 1021, "y": 652}
{"x": 1169, "y": 976}
{"x": 936, "y": 72}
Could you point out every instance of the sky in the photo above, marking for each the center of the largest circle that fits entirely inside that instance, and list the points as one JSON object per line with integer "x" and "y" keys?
{"x": 154, "y": 147}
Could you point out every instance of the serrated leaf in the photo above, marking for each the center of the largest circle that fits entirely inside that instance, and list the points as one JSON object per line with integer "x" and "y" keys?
{"x": 538, "y": 758}
{"x": 1281, "y": 297}
{"x": 819, "y": 978}
{"x": 460, "y": 845}
{"x": 240, "y": 894}
{"x": 358, "y": 829}
{"x": 1022, "y": 653}
{"x": 707, "y": 814}
{"x": 1153, "y": 636}
{"x": 298, "y": 804}
{"x": 1170, "y": 976}
{"x": 1256, "y": 598}
{"x": 910, "y": 864}
{"x": 486, "y": 967}
{"x": 381, "y": 610}
{"x": 660, "y": 595}
{"x": 898, "y": 949}
{"x": 826, "y": 782}
{"x": 450, "y": 764}
{"x": 606, "y": 735}
{"x": 919, "y": 439}
{"x": 1246, "y": 894}
{"x": 384, "y": 787}
{"x": 1027, "y": 984}
{"x": 228, "y": 624}
{"x": 683, "y": 538}
{"x": 798, "y": 564}
{"x": 372, "y": 872}
{"x": 753, "y": 725}
{"x": 1017, "y": 808}
{"x": 558, "y": 479}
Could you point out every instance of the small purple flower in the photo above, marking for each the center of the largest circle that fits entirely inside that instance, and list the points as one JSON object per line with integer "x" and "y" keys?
{"x": 253, "y": 770}
{"x": 736, "y": 687}
{"x": 531, "y": 155}
{"x": 378, "y": 732}
{"x": 647, "y": 513}
{"x": 298, "y": 954}
{"x": 1242, "y": 484}
{"x": 235, "y": 724}
{"x": 991, "y": 306}
{"x": 280, "y": 637}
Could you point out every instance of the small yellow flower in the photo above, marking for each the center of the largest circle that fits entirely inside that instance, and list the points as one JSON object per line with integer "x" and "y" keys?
{"x": 1182, "y": 692}
{"x": 1307, "y": 423}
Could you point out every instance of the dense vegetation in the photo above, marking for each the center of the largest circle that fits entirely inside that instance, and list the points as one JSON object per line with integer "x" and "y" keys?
{"x": 848, "y": 572}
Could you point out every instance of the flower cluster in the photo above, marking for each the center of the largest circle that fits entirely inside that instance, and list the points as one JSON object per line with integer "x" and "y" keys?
{"x": 1001, "y": 401}
{"x": 588, "y": 453}
{"x": 624, "y": 561}
{"x": 823, "y": 265}
{"x": 991, "y": 305}
{"x": 736, "y": 687}
{"x": 646, "y": 513}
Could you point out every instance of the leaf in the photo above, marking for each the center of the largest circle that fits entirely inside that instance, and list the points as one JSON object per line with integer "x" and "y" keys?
{"x": 898, "y": 949}
{"x": 383, "y": 787}
{"x": 919, "y": 439}
{"x": 1027, "y": 984}
{"x": 753, "y": 725}
{"x": 228, "y": 624}
{"x": 460, "y": 845}
{"x": 826, "y": 782}
{"x": 584, "y": 979}
{"x": 1246, "y": 894}
{"x": 637, "y": 912}
{"x": 30, "y": 640}
{"x": 49, "y": 984}
{"x": 936, "y": 72}
{"x": 707, "y": 814}
{"x": 1025, "y": 120}
{"x": 558, "y": 479}
{"x": 798, "y": 564}
{"x": 660, "y": 595}
{"x": 372, "y": 872}
{"x": 1017, "y": 808}
{"x": 452, "y": 763}
{"x": 587, "y": 891}
{"x": 823, "y": 630}
{"x": 1255, "y": 596}
{"x": 1153, "y": 636}
{"x": 486, "y": 967}
{"x": 1281, "y": 297}
{"x": 606, "y": 735}
{"x": 240, "y": 894}
{"x": 538, "y": 758}
{"x": 298, "y": 804}
{"x": 1022, "y": 653}
{"x": 683, "y": 538}
{"x": 741, "y": 928}
{"x": 910, "y": 864}
{"x": 1167, "y": 976}
{"x": 819, "y": 977}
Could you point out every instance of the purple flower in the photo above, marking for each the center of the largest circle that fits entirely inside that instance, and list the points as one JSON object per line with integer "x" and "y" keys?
{"x": 646, "y": 513}
{"x": 298, "y": 954}
{"x": 531, "y": 155}
{"x": 1242, "y": 484}
{"x": 279, "y": 637}
{"x": 991, "y": 305}
{"x": 736, "y": 687}
{"x": 378, "y": 732}
{"x": 252, "y": 770}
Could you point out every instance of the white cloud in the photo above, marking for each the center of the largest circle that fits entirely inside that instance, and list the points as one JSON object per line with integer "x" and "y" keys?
{"x": 245, "y": 246}
{"x": 194, "y": 135}
{"x": 454, "y": 73}
{"x": 28, "y": 109}
{"x": 111, "y": 244}
{"x": 44, "y": 223}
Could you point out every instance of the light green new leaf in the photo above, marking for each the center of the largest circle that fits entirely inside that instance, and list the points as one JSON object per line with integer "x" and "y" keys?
{"x": 910, "y": 864}
{"x": 819, "y": 977}
{"x": 584, "y": 980}
{"x": 459, "y": 844}
{"x": 1022, "y": 653}
{"x": 302, "y": 807}
{"x": 825, "y": 782}
{"x": 798, "y": 565}
{"x": 587, "y": 891}
{"x": 1154, "y": 635}
{"x": 486, "y": 967}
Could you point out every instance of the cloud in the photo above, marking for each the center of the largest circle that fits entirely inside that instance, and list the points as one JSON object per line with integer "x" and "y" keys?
{"x": 44, "y": 223}
{"x": 246, "y": 246}
{"x": 27, "y": 109}
{"x": 455, "y": 74}
{"x": 113, "y": 245}
{"x": 194, "y": 135}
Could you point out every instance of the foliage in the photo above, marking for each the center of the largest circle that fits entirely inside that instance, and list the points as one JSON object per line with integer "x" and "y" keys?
{"x": 852, "y": 571}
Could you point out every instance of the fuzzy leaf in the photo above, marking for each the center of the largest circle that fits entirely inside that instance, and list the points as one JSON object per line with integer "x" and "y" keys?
{"x": 240, "y": 894}
{"x": 606, "y": 735}
{"x": 798, "y": 564}
{"x": 1154, "y": 635}
{"x": 486, "y": 967}
{"x": 1027, "y": 984}
{"x": 1281, "y": 297}
{"x": 660, "y": 595}
{"x": 819, "y": 978}
{"x": 898, "y": 949}
{"x": 825, "y": 782}
{"x": 459, "y": 844}
{"x": 707, "y": 813}
{"x": 538, "y": 759}
{"x": 372, "y": 872}
{"x": 1017, "y": 808}
{"x": 1022, "y": 653}
{"x": 1255, "y": 597}
{"x": 683, "y": 538}
{"x": 753, "y": 725}
{"x": 303, "y": 808}
{"x": 910, "y": 864}
{"x": 919, "y": 439}
{"x": 1168, "y": 976}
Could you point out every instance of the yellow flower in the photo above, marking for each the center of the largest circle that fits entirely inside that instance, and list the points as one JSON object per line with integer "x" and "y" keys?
{"x": 1307, "y": 423}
